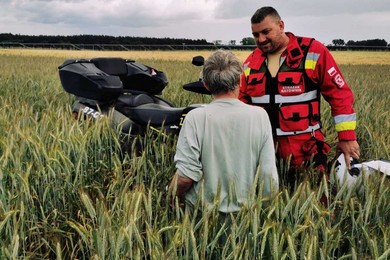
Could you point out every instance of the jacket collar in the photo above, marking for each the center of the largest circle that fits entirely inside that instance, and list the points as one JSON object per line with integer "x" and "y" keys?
{"x": 293, "y": 54}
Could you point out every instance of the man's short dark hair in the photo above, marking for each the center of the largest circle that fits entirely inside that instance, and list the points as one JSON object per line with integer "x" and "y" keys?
{"x": 263, "y": 12}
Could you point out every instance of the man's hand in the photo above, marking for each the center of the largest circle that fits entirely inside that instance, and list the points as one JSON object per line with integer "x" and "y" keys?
{"x": 178, "y": 188}
{"x": 349, "y": 149}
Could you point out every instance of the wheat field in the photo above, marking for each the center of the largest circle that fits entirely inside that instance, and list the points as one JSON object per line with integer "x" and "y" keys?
{"x": 66, "y": 193}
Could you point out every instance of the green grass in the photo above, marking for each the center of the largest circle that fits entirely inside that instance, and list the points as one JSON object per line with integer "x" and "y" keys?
{"x": 66, "y": 193}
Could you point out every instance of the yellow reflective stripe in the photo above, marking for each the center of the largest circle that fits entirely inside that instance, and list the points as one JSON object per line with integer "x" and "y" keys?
{"x": 346, "y": 126}
{"x": 311, "y": 60}
{"x": 247, "y": 72}
{"x": 310, "y": 64}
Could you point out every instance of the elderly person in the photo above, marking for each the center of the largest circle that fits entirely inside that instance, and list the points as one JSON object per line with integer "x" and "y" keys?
{"x": 224, "y": 147}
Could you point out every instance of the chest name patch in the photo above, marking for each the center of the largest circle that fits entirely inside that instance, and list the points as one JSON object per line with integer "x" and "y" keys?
{"x": 291, "y": 90}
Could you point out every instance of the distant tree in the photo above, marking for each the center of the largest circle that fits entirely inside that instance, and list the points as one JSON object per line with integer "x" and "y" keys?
{"x": 232, "y": 42}
{"x": 217, "y": 42}
{"x": 248, "y": 41}
{"x": 338, "y": 42}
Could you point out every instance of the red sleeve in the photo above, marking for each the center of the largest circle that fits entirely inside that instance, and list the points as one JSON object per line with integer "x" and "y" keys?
{"x": 243, "y": 96}
{"x": 323, "y": 69}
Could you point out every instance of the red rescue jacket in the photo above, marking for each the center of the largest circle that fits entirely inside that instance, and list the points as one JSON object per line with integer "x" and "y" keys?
{"x": 292, "y": 97}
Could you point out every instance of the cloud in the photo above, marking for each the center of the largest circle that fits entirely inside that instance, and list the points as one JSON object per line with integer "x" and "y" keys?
{"x": 135, "y": 13}
{"x": 196, "y": 19}
{"x": 228, "y": 9}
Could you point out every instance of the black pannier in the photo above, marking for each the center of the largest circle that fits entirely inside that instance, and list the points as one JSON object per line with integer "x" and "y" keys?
{"x": 143, "y": 78}
{"x": 105, "y": 79}
{"x": 83, "y": 79}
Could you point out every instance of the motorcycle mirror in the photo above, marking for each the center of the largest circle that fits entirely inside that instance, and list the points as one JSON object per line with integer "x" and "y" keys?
{"x": 198, "y": 61}
{"x": 196, "y": 87}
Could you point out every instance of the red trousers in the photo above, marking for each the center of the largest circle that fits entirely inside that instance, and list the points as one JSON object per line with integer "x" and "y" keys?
{"x": 302, "y": 149}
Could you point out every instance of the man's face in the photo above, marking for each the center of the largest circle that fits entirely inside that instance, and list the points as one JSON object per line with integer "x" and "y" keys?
{"x": 268, "y": 34}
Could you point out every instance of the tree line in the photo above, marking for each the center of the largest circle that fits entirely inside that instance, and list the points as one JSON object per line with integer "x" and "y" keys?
{"x": 9, "y": 38}
{"x": 372, "y": 43}
{"x": 337, "y": 42}
{"x": 97, "y": 39}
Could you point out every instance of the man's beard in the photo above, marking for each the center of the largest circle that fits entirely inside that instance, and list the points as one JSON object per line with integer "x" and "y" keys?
{"x": 266, "y": 47}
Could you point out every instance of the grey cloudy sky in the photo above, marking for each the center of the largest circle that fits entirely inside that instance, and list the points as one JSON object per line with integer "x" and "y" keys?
{"x": 212, "y": 20}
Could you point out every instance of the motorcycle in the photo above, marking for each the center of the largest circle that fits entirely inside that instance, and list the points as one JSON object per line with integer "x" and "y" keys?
{"x": 127, "y": 91}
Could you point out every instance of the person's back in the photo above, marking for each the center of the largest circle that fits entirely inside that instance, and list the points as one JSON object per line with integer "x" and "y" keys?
{"x": 220, "y": 148}
{"x": 232, "y": 139}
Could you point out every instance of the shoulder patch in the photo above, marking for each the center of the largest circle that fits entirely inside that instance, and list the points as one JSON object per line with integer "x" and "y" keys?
{"x": 336, "y": 77}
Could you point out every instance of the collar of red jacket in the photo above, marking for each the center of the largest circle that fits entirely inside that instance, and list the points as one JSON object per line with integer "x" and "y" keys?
{"x": 293, "y": 54}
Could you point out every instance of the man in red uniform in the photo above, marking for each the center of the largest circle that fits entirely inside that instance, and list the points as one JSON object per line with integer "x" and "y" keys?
{"x": 286, "y": 75}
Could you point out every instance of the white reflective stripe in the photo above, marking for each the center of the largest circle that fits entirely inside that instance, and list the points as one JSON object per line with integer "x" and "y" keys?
{"x": 262, "y": 99}
{"x": 344, "y": 118}
{"x": 297, "y": 98}
{"x": 280, "y": 132}
{"x": 312, "y": 56}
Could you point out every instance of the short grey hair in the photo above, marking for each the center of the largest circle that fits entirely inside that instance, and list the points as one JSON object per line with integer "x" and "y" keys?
{"x": 221, "y": 72}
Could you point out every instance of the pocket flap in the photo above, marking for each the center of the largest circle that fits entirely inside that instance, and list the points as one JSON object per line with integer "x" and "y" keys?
{"x": 290, "y": 78}
{"x": 255, "y": 78}
{"x": 295, "y": 112}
